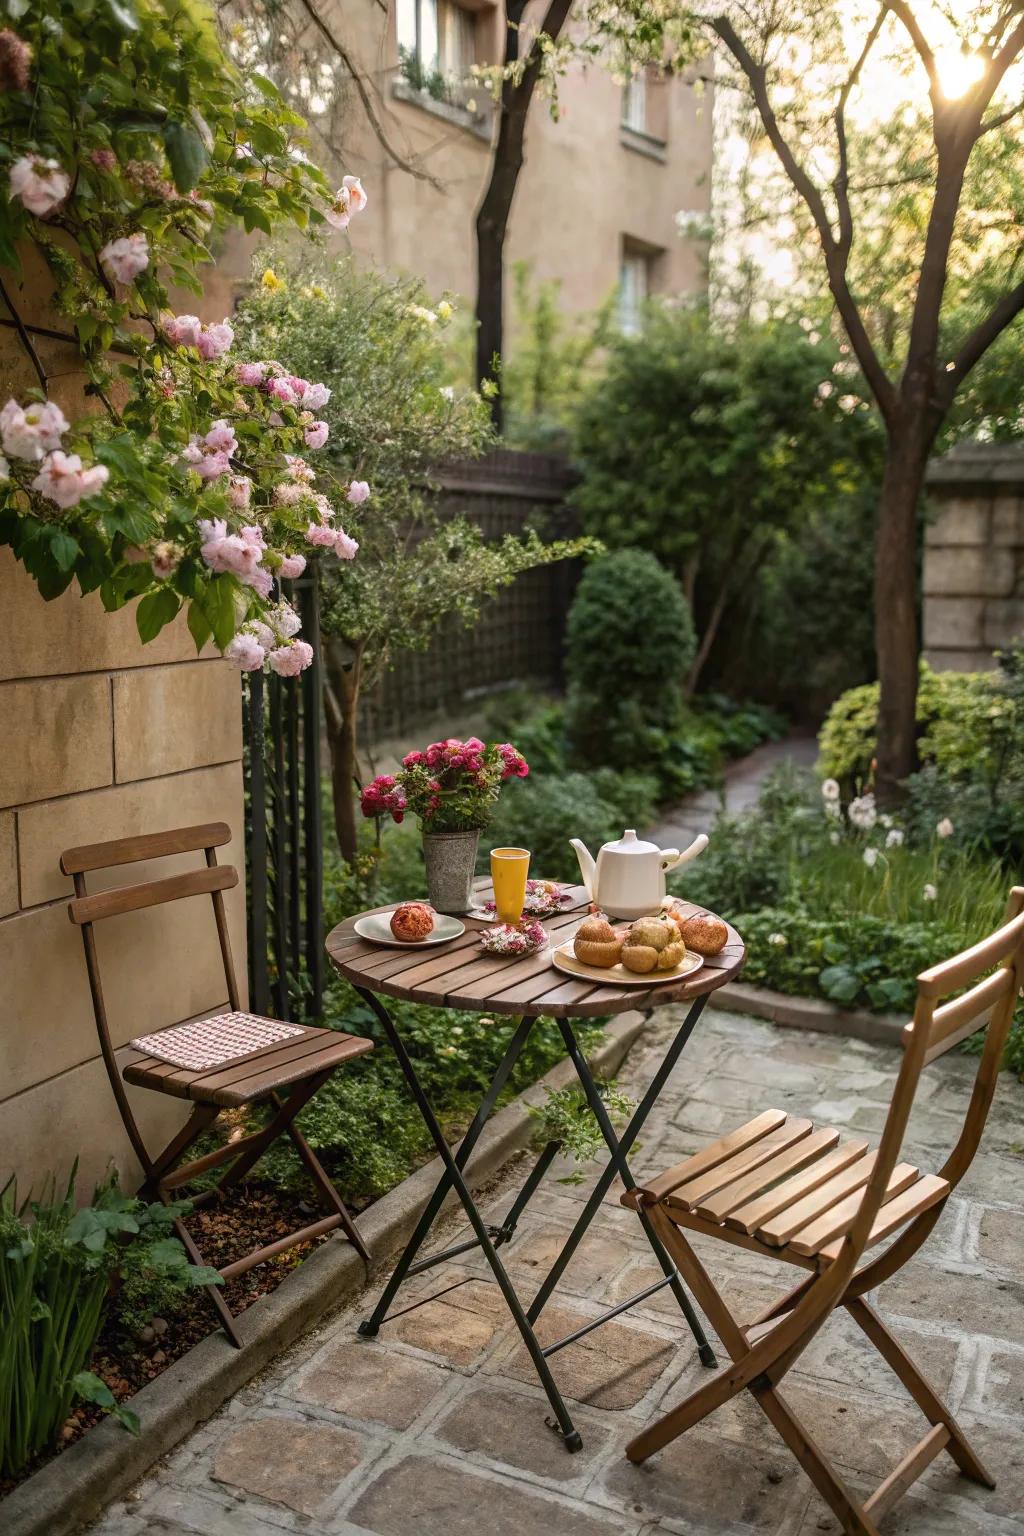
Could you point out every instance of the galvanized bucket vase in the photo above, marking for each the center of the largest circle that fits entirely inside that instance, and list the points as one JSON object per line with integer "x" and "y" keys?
{"x": 451, "y": 861}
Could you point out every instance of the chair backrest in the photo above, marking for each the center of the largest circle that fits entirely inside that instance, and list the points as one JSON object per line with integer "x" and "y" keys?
{"x": 85, "y": 909}
{"x": 993, "y": 973}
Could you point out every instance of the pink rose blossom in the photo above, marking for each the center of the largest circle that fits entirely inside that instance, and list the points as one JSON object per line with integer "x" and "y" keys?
{"x": 215, "y": 340}
{"x": 319, "y": 534}
{"x": 315, "y": 396}
{"x": 40, "y": 184}
{"x": 29, "y": 432}
{"x": 281, "y": 389}
{"x": 289, "y": 494}
{"x": 358, "y": 492}
{"x": 104, "y": 159}
{"x": 210, "y": 341}
{"x": 15, "y": 59}
{"x": 221, "y": 438}
{"x": 292, "y": 566}
{"x": 165, "y": 559}
{"x": 245, "y": 652}
{"x": 284, "y": 621}
{"x": 316, "y": 434}
{"x": 290, "y": 660}
{"x": 238, "y": 553}
{"x": 344, "y": 547}
{"x": 122, "y": 260}
{"x": 349, "y": 200}
{"x": 298, "y": 468}
{"x": 262, "y": 632}
{"x": 239, "y": 493}
{"x": 182, "y": 330}
{"x": 260, "y": 579}
{"x": 63, "y": 480}
{"x": 251, "y": 374}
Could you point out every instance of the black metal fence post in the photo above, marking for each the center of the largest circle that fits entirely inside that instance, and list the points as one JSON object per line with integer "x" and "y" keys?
{"x": 284, "y": 863}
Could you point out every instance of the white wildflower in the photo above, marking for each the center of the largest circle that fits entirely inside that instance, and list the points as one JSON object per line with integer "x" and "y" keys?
{"x": 862, "y": 812}
{"x": 894, "y": 838}
{"x": 944, "y": 828}
{"x": 830, "y": 789}
{"x": 778, "y": 939}
{"x": 870, "y": 857}
{"x": 930, "y": 892}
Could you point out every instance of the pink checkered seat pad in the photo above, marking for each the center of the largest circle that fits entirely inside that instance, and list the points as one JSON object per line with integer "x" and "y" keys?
{"x": 207, "y": 1043}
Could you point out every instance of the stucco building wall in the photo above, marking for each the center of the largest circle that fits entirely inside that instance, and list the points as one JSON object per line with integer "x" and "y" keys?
{"x": 973, "y": 573}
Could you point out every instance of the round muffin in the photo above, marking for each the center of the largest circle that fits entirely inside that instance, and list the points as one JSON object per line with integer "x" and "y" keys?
{"x": 703, "y": 933}
{"x": 596, "y": 942}
{"x": 412, "y": 922}
{"x": 655, "y": 932}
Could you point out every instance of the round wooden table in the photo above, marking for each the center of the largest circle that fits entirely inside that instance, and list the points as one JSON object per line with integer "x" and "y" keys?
{"x": 460, "y": 974}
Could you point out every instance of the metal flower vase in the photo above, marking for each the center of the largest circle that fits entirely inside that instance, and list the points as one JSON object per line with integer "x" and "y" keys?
{"x": 451, "y": 863}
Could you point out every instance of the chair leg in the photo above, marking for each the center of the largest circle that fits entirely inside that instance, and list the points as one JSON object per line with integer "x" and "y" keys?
{"x": 852, "y": 1517}
{"x": 926, "y": 1398}
{"x": 275, "y": 1127}
{"x": 324, "y": 1184}
{"x": 220, "y": 1306}
{"x": 200, "y": 1120}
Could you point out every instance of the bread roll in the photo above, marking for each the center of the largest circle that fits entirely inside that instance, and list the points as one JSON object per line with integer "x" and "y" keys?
{"x": 596, "y": 942}
{"x": 704, "y": 933}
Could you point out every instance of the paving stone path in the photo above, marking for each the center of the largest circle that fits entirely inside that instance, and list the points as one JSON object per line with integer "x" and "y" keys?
{"x": 438, "y": 1426}
{"x": 741, "y": 788}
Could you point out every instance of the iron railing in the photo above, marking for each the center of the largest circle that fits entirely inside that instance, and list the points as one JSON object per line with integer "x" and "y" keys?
{"x": 284, "y": 831}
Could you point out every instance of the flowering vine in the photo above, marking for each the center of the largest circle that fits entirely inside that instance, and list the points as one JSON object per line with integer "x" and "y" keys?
{"x": 126, "y": 139}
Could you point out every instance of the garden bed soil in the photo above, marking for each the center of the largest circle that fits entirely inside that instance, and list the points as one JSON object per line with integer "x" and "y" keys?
{"x": 256, "y": 1215}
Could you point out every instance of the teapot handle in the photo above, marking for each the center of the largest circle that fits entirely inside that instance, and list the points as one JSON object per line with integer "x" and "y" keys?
{"x": 671, "y": 857}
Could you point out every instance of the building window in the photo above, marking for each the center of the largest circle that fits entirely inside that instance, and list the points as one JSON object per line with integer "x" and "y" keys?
{"x": 436, "y": 44}
{"x": 634, "y": 286}
{"x": 634, "y": 103}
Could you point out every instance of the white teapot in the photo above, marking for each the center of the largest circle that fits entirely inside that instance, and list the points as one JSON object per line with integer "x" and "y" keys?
{"x": 628, "y": 877}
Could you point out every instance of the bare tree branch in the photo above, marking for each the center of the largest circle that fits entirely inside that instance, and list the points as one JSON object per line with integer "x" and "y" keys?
{"x": 1001, "y": 119}
{"x": 981, "y": 338}
{"x": 923, "y": 49}
{"x": 835, "y": 259}
{"x": 841, "y": 184}
{"x": 364, "y": 96}
{"x": 26, "y": 340}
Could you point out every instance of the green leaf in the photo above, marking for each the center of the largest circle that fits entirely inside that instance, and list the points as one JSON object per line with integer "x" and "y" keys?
{"x": 219, "y": 607}
{"x": 124, "y": 14}
{"x": 840, "y": 982}
{"x": 64, "y": 548}
{"x": 186, "y": 154}
{"x": 154, "y": 611}
{"x": 198, "y": 625}
{"x": 92, "y": 1389}
{"x": 267, "y": 87}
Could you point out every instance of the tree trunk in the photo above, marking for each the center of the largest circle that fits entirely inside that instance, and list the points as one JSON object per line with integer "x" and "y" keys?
{"x": 344, "y": 679}
{"x": 493, "y": 214}
{"x": 896, "y": 630}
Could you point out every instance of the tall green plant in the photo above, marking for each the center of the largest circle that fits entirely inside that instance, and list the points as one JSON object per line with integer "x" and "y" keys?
{"x": 56, "y": 1267}
{"x": 377, "y": 343}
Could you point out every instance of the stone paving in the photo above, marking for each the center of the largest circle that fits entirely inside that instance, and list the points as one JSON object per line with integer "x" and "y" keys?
{"x": 437, "y": 1427}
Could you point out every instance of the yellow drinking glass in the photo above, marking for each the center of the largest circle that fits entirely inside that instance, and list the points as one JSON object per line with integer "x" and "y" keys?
{"x": 509, "y": 868}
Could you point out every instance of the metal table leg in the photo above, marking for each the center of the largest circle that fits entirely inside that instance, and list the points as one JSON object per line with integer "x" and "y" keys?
{"x": 619, "y": 1148}
{"x": 453, "y": 1178}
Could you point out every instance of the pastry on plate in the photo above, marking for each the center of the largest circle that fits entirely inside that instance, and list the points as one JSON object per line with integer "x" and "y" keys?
{"x": 596, "y": 942}
{"x": 412, "y": 922}
{"x": 703, "y": 932}
{"x": 652, "y": 944}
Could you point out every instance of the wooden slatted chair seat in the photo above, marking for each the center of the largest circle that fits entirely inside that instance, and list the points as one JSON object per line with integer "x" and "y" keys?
{"x": 808, "y": 1195}
{"x": 283, "y": 1074}
{"x": 252, "y": 1078}
{"x": 788, "y": 1187}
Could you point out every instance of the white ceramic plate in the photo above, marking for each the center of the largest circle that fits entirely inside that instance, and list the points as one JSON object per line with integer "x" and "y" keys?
{"x": 617, "y": 975}
{"x": 376, "y": 926}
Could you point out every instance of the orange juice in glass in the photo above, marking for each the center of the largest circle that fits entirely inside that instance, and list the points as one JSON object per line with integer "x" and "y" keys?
{"x": 509, "y": 868}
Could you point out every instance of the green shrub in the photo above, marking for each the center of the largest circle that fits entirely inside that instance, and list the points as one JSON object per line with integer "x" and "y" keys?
{"x": 56, "y": 1269}
{"x": 629, "y": 644}
{"x": 951, "y": 715}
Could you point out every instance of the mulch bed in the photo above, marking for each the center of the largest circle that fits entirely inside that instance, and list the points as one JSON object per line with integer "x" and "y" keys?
{"x": 253, "y": 1215}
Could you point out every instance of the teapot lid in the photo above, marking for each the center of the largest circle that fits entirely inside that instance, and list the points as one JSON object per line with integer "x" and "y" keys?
{"x": 630, "y": 843}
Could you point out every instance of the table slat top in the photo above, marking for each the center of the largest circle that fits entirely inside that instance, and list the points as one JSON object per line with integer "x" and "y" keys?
{"x": 462, "y": 975}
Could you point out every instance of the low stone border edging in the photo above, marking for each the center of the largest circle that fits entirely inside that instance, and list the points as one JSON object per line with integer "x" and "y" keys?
{"x": 810, "y": 1013}
{"x": 74, "y": 1487}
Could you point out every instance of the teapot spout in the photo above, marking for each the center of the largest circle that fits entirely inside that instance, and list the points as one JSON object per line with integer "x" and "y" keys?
{"x": 586, "y": 865}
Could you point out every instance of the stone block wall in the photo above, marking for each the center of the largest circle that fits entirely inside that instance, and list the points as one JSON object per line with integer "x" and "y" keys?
{"x": 101, "y": 737}
{"x": 973, "y": 574}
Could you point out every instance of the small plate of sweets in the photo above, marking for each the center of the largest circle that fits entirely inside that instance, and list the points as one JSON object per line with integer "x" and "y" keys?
{"x": 410, "y": 925}
{"x": 640, "y": 954}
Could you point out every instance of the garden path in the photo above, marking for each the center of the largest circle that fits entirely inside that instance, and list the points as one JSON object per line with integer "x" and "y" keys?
{"x": 741, "y": 788}
{"x": 437, "y": 1426}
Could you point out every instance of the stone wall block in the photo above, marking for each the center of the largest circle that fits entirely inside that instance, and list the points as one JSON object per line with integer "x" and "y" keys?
{"x": 959, "y": 520}
{"x": 1008, "y": 521}
{"x": 954, "y": 623}
{"x": 968, "y": 570}
{"x": 58, "y": 738}
{"x": 8, "y": 864}
{"x": 1004, "y": 622}
{"x": 125, "y": 810}
{"x": 167, "y": 719}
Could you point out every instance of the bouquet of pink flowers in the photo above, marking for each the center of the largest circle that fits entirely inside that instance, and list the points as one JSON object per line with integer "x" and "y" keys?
{"x": 452, "y": 786}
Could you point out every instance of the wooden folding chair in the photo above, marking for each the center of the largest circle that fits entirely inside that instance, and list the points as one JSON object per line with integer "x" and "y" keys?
{"x": 300, "y": 1063}
{"x": 783, "y": 1188}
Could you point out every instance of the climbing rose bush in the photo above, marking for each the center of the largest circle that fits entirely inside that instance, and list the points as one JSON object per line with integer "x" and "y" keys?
{"x": 126, "y": 139}
{"x": 451, "y": 786}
